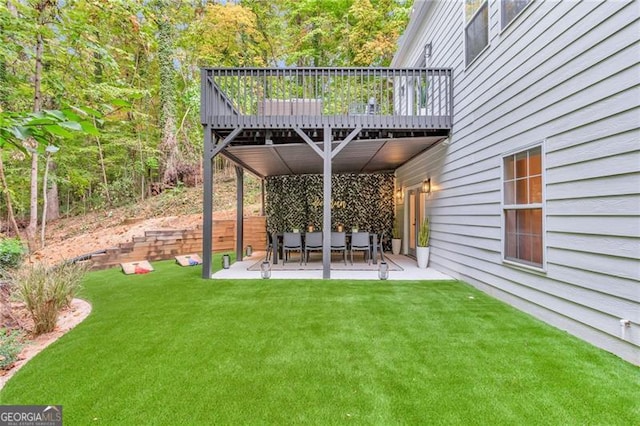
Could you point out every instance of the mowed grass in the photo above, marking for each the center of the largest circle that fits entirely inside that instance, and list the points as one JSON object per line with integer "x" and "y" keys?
{"x": 171, "y": 348}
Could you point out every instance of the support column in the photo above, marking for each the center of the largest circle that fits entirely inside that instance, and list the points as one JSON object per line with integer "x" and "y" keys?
{"x": 207, "y": 208}
{"x": 239, "y": 212}
{"x": 262, "y": 192}
{"x": 210, "y": 152}
{"x": 326, "y": 205}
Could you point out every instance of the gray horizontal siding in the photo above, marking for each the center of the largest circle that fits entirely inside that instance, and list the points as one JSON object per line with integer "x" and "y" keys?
{"x": 564, "y": 74}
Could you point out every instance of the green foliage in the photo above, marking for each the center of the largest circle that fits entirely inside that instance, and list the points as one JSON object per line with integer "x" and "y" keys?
{"x": 116, "y": 58}
{"x": 227, "y": 35}
{"x": 343, "y": 32}
{"x": 45, "y": 290}
{"x": 44, "y": 126}
{"x": 396, "y": 229}
{"x": 424, "y": 233}
{"x": 11, "y": 252}
{"x": 10, "y": 347}
{"x": 364, "y": 201}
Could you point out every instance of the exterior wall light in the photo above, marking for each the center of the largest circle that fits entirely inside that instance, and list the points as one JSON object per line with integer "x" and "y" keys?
{"x": 428, "y": 50}
{"x": 426, "y": 186}
{"x": 400, "y": 194}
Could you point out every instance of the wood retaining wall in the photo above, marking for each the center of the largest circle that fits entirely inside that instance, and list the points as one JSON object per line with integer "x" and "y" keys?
{"x": 168, "y": 243}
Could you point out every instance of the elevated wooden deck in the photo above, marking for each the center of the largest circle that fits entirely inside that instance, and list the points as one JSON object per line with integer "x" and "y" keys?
{"x": 267, "y": 103}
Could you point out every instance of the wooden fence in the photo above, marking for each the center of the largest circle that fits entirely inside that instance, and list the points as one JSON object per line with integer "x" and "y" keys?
{"x": 166, "y": 244}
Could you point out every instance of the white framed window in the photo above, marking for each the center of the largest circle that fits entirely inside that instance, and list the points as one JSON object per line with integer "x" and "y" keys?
{"x": 476, "y": 29}
{"x": 509, "y": 9}
{"x": 523, "y": 207}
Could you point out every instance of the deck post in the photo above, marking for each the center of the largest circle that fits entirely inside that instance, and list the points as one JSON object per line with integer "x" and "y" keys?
{"x": 239, "y": 212}
{"x": 262, "y": 194}
{"x": 326, "y": 206}
{"x": 210, "y": 152}
{"x": 207, "y": 208}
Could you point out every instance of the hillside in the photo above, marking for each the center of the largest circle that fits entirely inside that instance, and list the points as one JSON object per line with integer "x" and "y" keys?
{"x": 179, "y": 208}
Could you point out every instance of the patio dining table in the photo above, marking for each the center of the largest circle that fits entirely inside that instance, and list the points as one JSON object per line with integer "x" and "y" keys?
{"x": 278, "y": 236}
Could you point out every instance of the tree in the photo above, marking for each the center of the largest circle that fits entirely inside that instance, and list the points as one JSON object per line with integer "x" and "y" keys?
{"x": 227, "y": 35}
{"x": 148, "y": 54}
{"x": 376, "y": 26}
{"x": 168, "y": 141}
{"x": 41, "y": 128}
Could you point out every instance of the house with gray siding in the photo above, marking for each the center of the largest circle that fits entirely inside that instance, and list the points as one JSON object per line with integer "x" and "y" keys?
{"x": 535, "y": 195}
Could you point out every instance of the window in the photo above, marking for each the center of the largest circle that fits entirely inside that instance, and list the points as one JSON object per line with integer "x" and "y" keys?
{"x": 510, "y": 9}
{"x": 476, "y": 31}
{"x": 522, "y": 207}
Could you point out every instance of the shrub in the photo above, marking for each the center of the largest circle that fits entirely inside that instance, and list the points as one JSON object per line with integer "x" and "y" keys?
{"x": 10, "y": 347}
{"x": 45, "y": 290}
{"x": 424, "y": 233}
{"x": 396, "y": 229}
{"x": 11, "y": 252}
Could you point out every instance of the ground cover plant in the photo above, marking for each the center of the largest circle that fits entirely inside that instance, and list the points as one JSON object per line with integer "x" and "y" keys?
{"x": 10, "y": 346}
{"x": 171, "y": 348}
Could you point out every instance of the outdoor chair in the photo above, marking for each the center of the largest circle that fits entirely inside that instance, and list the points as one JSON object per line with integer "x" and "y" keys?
{"x": 291, "y": 241}
{"x": 360, "y": 242}
{"x": 339, "y": 243}
{"x": 312, "y": 242}
{"x": 269, "y": 248}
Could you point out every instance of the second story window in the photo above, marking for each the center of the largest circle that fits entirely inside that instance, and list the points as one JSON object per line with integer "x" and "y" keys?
{"x": 509, "y": 9}
{"x": 476, "y": 30}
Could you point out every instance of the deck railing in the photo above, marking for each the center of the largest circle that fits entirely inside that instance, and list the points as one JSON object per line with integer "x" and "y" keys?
{"x": 410, "y": 98}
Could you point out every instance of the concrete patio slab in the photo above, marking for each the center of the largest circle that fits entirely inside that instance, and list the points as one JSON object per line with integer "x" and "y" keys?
{"x": 411, "y": 272}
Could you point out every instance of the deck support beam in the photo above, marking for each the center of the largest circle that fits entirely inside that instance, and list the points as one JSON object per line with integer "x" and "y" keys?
{"x": 207, "y": 200}
{"x": 239, "y": 212}
{"x": 211, "y": 149}
{"x": 326, "y": 205}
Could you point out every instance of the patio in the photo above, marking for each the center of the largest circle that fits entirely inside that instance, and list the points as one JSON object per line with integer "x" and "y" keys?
{"x": 409, "y": 270}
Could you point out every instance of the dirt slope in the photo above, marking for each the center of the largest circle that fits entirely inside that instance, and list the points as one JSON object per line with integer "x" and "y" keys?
{"x": 71, "y": 237}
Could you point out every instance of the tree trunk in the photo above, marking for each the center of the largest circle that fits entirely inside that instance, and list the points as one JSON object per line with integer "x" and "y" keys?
{"x": 169, "y": 142}
{"x": 44, "y": 200}
{"x": 7, "y": 196}
{"x": 53, "y": 200}
{"x": 37, "y": 106}
{"x": 33, "y": 204}
{"x": 105, "y": 182}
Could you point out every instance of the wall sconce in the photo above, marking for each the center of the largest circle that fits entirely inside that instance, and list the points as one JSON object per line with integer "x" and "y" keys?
{"x": 426, "y": 186}
{"x": 383, "y": 270}
{"x": 428, "y": 49}
{"x": 265, "y": 270}
{"x": 400, "y": 194}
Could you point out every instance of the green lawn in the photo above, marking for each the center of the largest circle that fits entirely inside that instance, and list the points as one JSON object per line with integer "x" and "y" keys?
{"x": 171, "y": 348}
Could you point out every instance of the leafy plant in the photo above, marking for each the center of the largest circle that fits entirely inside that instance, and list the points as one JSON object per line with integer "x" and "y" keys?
{"x": 396, "y": 229}
{"x": 45, "y": 290}
{"x": 11, "y": 252}
{"x": 10, "y": 346}
{"x": 424, "y": 233}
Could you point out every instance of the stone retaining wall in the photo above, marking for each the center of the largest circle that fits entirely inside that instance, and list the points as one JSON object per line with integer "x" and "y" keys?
{"x": 166, "y": 244}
